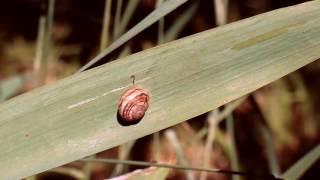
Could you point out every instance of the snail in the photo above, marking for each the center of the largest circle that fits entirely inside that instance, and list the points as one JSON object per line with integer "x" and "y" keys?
{"x": 132, "y": 105}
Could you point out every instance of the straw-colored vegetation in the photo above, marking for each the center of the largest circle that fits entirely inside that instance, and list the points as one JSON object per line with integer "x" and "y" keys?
{"x": 76, "y": 117}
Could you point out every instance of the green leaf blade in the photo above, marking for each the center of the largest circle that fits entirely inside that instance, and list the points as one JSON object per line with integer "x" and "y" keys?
{"x": 76, "y": 117}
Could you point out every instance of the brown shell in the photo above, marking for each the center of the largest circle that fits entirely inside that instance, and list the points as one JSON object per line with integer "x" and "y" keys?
{"x": 133, "y": 104}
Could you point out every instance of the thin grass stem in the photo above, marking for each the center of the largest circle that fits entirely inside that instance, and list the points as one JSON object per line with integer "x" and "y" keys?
{"x": 209, "y": 141}
{"x": 117, "y": 19}
{"x": 48, "y": 41}
{"x": 172, "y": 138}
{"x": 234, "y": 159}
{"x": 181, "y": 167}
{"x": 221, "y": 11}
{"x": 127, "y": 14}
{"x": 104, "y": 41}
{"x": 38, "y": 60}
{"x": 153, "y": 17}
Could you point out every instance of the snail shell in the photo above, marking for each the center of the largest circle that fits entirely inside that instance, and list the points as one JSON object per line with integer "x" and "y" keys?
{"x": 133, "y": 104}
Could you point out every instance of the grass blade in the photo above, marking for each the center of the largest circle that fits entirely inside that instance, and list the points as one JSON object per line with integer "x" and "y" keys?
{"x": 47, "y": 46}
{"x": 303, "y": 164}
{"x": 117, "y": 19}
{"x": 181, "y": 167}
{"x": 180, "y": 22}
{"x": 38, "y": 60}
{"x": 233, "y": 154}
{"x": 76, "y": 117}
{"x": 153, "y": 17}
{"x": 271, "y": 153}
{"x": 172, "y": 138}
{"x": 212, "y": 127}
{"x": 127, "y": 14}
{"x": 104, "y": 41}
{"x": 221, "y": 11}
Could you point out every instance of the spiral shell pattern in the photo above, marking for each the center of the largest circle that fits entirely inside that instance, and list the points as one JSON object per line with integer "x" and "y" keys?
{"x": 133, "y": 104}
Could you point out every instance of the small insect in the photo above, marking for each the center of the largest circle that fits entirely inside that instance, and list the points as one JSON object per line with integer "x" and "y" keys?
{"x": 132, "y": 105}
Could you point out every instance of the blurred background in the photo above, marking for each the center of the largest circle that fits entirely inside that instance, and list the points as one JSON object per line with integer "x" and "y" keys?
{"x": 264, "y": 132}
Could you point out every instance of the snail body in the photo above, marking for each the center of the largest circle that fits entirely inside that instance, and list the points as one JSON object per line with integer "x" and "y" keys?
{"x": 133, "y": 104}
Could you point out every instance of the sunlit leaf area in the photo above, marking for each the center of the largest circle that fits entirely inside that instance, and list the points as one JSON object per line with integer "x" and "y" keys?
{"x": 53, "y": 53}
